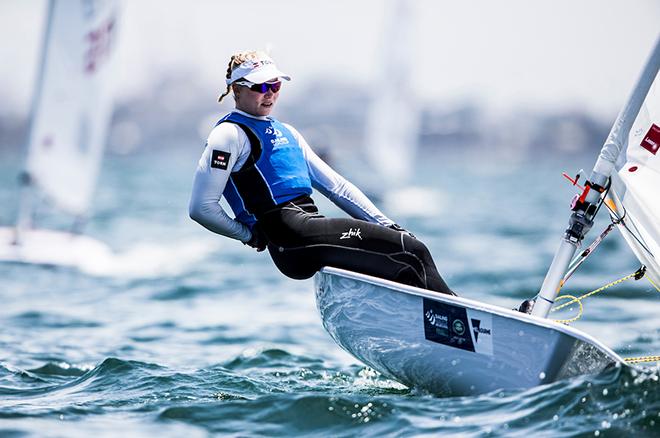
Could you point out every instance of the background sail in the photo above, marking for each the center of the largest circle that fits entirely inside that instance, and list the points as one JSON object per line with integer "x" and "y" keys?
{"x": 636, "y": 183}
{"x": 73, "y": 107}
{"x": 393, "y": 118}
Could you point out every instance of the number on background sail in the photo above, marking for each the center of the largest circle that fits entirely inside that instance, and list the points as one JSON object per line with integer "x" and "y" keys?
{"x": 636, "y": 184}
{"x": 73, "y": 101}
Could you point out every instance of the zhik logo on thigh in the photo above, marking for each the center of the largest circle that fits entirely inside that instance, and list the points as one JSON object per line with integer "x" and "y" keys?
{"x": 351, "y": 233}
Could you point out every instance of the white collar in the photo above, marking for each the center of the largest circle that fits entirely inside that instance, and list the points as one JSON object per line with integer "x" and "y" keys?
{"x": 235, "y": 110}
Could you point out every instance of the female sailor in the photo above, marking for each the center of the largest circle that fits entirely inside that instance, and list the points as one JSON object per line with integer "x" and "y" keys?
{"x": 266, "y": 171}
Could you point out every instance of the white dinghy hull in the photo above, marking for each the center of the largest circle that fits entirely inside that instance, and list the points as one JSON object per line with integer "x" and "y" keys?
{"x": 53, "y": 248}
{"x": 449, "y": 345}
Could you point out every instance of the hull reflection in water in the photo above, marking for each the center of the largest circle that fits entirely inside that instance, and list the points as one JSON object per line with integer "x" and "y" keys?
{"x": 450, "y": 345}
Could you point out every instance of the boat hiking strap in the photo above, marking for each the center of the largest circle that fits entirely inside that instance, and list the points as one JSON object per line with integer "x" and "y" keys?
{"x": 637, "y": 275}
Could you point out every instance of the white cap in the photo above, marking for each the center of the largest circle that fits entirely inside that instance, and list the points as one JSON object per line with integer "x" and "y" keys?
{"x": 258, "y": 71}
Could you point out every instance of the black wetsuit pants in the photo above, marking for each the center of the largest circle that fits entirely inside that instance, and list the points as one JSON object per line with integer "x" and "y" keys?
{"x": 301, "y": 242}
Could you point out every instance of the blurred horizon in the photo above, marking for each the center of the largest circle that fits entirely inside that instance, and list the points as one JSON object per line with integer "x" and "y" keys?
{"x": 511, "y": 79}
{"x": 509, "y": 55}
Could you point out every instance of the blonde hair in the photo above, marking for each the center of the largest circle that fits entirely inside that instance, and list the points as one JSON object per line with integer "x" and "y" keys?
{"x": 236, "y": 60}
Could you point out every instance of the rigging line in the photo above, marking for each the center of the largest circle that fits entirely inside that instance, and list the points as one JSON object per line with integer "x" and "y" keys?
{"x": 603, "y": 195}
{"x": 573, "y": 300}
{"x": 614, "y": 213}
{"x": 651, "y": 281}
{"x": 638, "y": 274}
{"x": 642, "y": 359}
{"x": 600, "y": 289}
{"x": 586, "y": 253}
{"x": 625, "y": 225}
{"x": 620, "y": 221}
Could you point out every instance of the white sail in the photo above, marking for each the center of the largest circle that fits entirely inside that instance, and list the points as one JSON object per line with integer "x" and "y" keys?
{"x": 393, "y": 118}
{"x": 636, "y": 183}
{"x": 72, "y": 107}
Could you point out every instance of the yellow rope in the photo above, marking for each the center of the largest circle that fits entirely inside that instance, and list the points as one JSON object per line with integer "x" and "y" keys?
{"x": 651, "y": 281}
{"x": 642, "y": 359}
{"x": 631, "y": 360}
{"x": 573, "y": 300}
{"x": 593, "y": 292}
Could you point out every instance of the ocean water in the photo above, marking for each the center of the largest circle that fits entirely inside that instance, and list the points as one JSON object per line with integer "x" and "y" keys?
{"x": 185, "y": 333}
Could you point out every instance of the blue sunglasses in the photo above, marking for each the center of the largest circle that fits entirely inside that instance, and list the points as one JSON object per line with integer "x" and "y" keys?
{"x": 261, "y": 88}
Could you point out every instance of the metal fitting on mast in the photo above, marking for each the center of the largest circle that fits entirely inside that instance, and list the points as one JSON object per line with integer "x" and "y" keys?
{"x": 584, "y": 206}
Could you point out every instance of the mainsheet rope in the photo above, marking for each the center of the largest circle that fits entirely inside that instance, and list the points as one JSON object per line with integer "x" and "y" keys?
{"x": 641, "y": 272}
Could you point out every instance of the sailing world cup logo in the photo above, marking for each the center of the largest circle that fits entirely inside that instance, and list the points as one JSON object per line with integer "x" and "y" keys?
{"x": 436, "y": 320}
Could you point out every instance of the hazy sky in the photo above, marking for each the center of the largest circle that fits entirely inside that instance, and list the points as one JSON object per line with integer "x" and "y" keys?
{"x": 506, "y": 53}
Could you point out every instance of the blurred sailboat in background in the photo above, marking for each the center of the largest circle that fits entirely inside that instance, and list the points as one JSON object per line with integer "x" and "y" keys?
{"x": 70, "y": 115}
{"x": 394, "y": 118}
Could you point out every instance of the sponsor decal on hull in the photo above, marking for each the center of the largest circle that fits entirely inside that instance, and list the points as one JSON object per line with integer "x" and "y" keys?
{"x": 458, "y": 327}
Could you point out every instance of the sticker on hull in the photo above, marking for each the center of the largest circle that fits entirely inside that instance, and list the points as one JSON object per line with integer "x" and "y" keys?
{"x": 458, "y": 327}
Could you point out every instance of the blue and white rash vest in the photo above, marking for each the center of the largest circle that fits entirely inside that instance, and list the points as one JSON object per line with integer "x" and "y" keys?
{"x": 228, "y": 150}
{"x": 275, "y": 171}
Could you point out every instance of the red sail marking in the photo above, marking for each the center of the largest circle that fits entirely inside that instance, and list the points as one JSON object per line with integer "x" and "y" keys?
{"x": 651, "y": 141}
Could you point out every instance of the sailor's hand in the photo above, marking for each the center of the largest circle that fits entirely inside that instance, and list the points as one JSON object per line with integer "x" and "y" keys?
{"x": 259, "y": 241}
{"x": 397, "y": 227}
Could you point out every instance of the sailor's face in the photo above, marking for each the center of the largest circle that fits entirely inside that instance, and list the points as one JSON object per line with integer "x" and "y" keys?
{"x": 255, "y": 102}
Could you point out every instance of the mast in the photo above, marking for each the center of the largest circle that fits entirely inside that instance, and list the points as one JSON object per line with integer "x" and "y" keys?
{"x": 586, "y": 205}
{"x": 25, "y": 203}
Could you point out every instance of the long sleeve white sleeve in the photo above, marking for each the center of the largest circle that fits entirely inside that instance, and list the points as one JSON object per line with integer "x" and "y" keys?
{"x": 209, "y": 182}
{"x": 338, "y": 189}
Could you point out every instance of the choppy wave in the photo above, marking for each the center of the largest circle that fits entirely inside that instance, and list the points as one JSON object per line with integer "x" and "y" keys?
{"x": 273, "y": 392}
{"x": 188, "y": 334}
